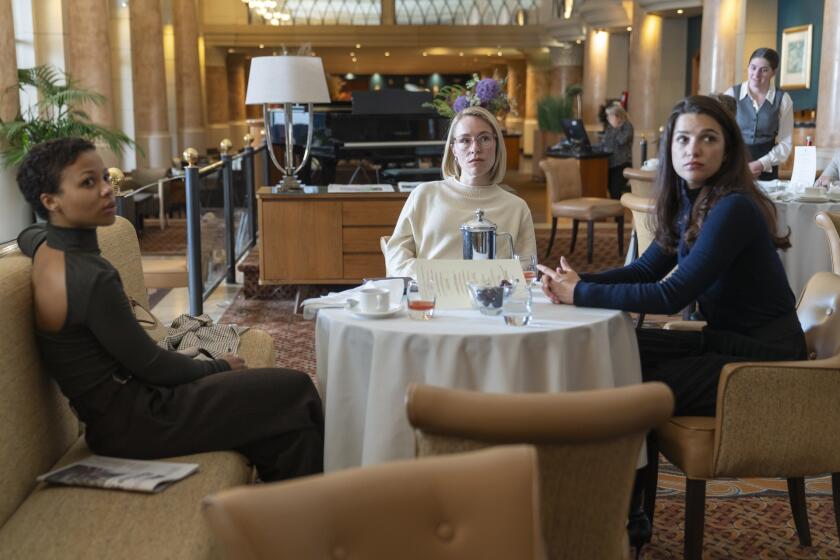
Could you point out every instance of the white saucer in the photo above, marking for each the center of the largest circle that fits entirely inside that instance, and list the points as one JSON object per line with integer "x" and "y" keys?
{"x": 375, "y": 314}
{"x": 803, "y": 198}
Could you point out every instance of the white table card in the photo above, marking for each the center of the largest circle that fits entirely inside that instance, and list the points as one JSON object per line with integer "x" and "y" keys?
{"x": 451, "y": 276}
{"x": 339, "y": 188}
{"x": 804, "y": 167}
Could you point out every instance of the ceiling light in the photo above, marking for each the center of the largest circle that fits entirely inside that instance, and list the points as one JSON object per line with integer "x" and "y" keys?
{"x": 358, "y": 46}
{"x": 461, "y": 53}
{"x": 231, "y": 50}
{"x": 262, "y": 46}
{"x": 350, "y": 76}
{"x": 680, "y": 11}
{"x": 499, "y": 53}
{"x": 425, "y": 53}
{"x": 629, "y": 28}
{"x": 352, "y": 54}
{"x": 387, "y": 53}
{"x": 578, "y": 41}
{"x": 354, "y": 59}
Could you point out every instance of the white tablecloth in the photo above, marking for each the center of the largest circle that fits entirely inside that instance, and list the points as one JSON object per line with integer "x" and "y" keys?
{"x": 365, "y": 366}
{"x": 809, "y": 253}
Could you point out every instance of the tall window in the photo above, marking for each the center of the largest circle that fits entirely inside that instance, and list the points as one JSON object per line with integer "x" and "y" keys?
{"x": 316, "y": 12}
{"x": 465, "y": 12}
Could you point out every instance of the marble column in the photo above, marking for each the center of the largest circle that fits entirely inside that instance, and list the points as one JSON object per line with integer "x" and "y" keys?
{"x": 388, "y": 16}
{"x": 151, "y": 122}
{"x": 828, "y": 102}
{"x": 721, "y": 44}
{"x": 188, "y": 103}
{"x": 566, "y": 68}
{"x": 87, "y": 50}
{"x": 644, "y": 74}
{"x": 218, "y": 105}
{"x": 15, "y": 213}
{"x": 595, "y": 53}
{"x": 516, "y": 93}
{"x": 537, "y": 86}
{"x": 237, "y": 83}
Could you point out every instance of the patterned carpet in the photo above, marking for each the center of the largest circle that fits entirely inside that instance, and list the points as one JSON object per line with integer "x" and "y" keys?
{"x": 744, "y": 518}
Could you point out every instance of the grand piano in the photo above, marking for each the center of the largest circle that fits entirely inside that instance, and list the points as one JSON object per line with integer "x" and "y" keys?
{"x": 389, "y": 135}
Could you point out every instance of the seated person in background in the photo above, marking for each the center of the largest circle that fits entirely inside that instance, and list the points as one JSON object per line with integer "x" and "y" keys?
{"x": 473, "y": 168}
{"x": 831, "y": 172}
{"x": 136, "y": 399}
{"x": 618, "y": 139}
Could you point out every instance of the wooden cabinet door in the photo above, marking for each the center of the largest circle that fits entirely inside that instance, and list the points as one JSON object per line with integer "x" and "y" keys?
{"x": 300, "y": 241}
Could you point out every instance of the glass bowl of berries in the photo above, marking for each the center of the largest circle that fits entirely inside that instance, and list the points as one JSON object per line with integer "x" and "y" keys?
{"x": 489, "y": 298}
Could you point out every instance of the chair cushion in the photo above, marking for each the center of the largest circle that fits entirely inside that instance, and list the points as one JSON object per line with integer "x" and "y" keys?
{"x": 689, "y": 443}
{"x": 587, "y": 208}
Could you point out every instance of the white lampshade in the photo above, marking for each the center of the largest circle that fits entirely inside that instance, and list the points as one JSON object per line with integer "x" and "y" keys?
{"x": 286, "y": 79}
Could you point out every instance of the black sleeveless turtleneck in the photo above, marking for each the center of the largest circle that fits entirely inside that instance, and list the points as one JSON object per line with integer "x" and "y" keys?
{"x": 101, "y": 339}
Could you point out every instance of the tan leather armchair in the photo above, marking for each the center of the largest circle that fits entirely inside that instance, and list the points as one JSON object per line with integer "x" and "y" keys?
{"x": 830, "y": 222}
{"x": 119, "y": 245}
{"x": 641, "y": 181}
{"x": 773, "y": 419}
{"x": 588, "y": 444}
{"x": 563, "y": 188}
{"x": 642, "y": 208}
{"x": 472, "y": 505}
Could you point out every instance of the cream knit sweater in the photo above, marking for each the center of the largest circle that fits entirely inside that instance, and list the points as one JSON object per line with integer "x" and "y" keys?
{"x": 429, "y": 224}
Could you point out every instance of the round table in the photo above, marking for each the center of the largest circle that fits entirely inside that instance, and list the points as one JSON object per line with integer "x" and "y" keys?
{"x": 364, "y": 366}
{"x": 809, "y": 251}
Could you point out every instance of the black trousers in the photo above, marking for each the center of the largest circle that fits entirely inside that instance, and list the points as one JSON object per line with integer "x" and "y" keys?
{"x": 689, "y": 362}
{"x": 616, "y": 183}
{"x": 273, "y": 416}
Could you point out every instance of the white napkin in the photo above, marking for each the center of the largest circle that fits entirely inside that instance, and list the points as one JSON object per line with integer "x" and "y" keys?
{"x": 339, "y": 299}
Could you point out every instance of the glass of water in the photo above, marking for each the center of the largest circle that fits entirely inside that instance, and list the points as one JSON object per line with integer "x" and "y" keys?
{"x": 529, "y": 268}
{"x": 517, "y": 307}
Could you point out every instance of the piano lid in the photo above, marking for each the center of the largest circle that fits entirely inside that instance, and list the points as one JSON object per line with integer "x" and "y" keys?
{"x": 392, "y": 102}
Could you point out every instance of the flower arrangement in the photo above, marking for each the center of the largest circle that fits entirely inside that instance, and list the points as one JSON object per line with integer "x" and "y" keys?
{"x": 478, "y": 92}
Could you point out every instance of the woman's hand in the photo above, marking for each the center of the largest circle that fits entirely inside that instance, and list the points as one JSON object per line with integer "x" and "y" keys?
{"x": 234, "y": 361}
{"x": 823, "y": 181}
{"x": 559, "y": 285}
{"x": 756, "y": 168}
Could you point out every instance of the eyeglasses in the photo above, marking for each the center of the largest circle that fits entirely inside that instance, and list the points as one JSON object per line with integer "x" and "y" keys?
{"x": 483, "y": 141}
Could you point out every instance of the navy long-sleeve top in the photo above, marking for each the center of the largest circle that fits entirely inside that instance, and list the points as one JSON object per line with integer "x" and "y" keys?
{"x": 732, "y": 270}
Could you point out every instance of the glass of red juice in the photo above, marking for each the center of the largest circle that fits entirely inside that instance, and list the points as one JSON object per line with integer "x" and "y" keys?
{"x": 420, "y": 299}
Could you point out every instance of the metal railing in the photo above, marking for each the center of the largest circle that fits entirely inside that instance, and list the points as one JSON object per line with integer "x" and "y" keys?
{"x": 214, "y": 246}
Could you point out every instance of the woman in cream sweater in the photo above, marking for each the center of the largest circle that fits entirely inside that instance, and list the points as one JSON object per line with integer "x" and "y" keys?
{"x": 473, "y": 167}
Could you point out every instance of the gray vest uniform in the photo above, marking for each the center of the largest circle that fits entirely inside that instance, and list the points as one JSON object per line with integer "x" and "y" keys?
{"x": 759, "y": 128}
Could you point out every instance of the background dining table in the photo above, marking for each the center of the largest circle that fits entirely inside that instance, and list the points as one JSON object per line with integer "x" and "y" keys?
{"x": 809, "y": 251}
{"x": 364, "y": 366}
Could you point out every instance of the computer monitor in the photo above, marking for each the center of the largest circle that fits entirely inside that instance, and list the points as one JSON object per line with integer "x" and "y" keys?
{"x": 576, "y": 133}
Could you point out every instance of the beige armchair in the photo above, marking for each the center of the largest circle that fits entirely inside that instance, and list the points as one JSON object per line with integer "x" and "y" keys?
{"x": 563, "y": 186}
{"x": 830, "y": 222}
{"x": 473, "y": 505}
{"x": 774, "y": 419}
{"x": 642, "y": 208}
{"x": 119, "y": 245}
{"x": 641, "y": 181}
{"x": 588, "y": 444}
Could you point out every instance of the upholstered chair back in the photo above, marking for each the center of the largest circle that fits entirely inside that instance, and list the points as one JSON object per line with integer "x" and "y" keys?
{"x": 830, "y": 222}
{"x": 643, "y": 209}
{"x": 475, "y": 505}
{"x": 36, "y": 424}
{"x": 781, "y": 418}
{"x": 588, "y": 444}
{"x": 641, "y": 182}
{"x": 119, "y": 245}
{"x": 562, "y": 178}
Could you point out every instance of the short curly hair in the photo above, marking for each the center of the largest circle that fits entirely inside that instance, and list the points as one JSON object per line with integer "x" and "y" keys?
{"x": 41, "y": 168}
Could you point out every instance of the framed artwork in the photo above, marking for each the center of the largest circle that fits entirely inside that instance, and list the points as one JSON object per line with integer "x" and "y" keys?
{"x": 795, "y": 70}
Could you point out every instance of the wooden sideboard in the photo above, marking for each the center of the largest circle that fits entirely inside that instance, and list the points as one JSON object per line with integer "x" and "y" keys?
{"x": 324, "y": 238}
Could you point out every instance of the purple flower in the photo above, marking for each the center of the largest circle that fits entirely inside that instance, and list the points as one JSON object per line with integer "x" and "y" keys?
{"x": 486, "y": 90}
{"x": 461, "y": 103}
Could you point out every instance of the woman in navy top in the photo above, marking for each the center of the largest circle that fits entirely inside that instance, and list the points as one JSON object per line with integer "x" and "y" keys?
{"x": 720, "y": 231}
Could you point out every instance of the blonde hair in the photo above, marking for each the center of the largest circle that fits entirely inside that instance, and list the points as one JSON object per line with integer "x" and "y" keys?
{"x": 617, "y": 110}
{"x": 450, "y": 166}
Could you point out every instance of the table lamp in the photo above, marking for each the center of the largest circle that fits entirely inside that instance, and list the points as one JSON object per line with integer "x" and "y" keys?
{"x": 288, "y": 80}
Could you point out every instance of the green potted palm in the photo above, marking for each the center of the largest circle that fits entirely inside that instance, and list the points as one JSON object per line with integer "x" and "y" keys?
{"x": 56, "y": 114}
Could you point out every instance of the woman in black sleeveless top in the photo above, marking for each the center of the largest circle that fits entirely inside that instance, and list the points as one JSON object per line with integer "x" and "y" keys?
{"x": 765, "y": 115}
{"x": 137, "y": 399}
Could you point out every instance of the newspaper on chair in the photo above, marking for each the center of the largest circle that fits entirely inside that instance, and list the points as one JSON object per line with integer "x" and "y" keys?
{"x": 121, "y": 474}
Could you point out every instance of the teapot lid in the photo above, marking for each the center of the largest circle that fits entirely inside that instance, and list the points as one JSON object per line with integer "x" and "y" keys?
{"x": 479, "y": 224}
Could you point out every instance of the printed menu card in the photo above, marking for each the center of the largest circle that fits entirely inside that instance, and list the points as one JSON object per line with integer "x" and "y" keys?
{"x": 451, "y": 276}
{"x": 804, "y": 167}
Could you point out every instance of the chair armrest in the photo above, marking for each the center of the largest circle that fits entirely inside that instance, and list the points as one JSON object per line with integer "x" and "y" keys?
{"x": 778, "y": 419}
{"x": 684, "y": 325}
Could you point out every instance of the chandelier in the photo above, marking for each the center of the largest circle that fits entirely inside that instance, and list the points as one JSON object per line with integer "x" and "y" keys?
{"x": 268, "y": 10}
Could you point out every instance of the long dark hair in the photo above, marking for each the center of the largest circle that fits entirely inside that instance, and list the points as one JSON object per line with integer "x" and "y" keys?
{"x": 733, "y": 176}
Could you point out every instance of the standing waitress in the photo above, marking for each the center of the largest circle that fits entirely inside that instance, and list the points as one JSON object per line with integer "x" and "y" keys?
{"x": 765, "y": 115}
